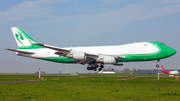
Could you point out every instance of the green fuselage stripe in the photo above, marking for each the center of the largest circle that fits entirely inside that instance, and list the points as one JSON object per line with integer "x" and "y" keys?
{"x": 61, "y": 59}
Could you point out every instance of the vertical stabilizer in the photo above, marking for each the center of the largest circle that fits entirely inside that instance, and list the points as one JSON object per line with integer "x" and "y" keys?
{"x": 23, "y": 40}
{"x": 163, "y": 70}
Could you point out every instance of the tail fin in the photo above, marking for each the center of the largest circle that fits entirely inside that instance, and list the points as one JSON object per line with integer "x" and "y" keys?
{"x": 163, "y": 70}
{"x": 23, "y": 40}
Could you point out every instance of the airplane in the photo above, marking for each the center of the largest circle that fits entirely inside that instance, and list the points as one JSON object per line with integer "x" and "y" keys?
{"x": 94, "y": 56}
{"x": 168, "y": 72}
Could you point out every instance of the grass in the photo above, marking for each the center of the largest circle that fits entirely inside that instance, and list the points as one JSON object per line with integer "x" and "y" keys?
{"x": 5, "y": 78}
{"x": 90, "y": 89}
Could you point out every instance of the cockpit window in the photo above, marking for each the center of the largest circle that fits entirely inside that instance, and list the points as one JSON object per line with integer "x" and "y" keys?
{"x": 162, "y": 44}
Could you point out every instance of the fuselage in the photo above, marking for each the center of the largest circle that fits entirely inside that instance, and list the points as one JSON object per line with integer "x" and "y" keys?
{"x": 174, "y": 72}
{"x": 171, "y": 72}
{"x": 142, "y": 51}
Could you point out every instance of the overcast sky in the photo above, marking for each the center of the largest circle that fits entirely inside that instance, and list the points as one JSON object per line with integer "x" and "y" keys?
{"x": 65, "y": 23}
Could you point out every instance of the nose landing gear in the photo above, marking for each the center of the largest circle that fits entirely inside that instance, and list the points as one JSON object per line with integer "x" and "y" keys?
{"x": 157, "y": 66}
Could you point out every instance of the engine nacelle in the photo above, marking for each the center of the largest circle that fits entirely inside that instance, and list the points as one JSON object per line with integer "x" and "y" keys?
{"x": 107, "y": 60}
{"x": 77, "y": 55}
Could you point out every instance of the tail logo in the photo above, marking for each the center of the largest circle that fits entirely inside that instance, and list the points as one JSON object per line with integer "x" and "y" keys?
{"x": 19, "y": 37}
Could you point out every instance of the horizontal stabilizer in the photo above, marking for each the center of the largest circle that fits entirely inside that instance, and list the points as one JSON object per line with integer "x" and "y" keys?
{"x": 23, "y": 52}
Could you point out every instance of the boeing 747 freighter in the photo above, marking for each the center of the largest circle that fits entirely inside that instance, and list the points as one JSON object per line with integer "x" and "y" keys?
{"x": 95, "y": 56}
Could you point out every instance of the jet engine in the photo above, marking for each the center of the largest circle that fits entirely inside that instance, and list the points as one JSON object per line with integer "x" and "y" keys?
{"x": 77, "y": 55}
{"x": 107, "y": 60}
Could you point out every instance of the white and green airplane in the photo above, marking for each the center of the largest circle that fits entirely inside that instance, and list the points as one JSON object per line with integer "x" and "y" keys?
{"x": 94, "y": 56}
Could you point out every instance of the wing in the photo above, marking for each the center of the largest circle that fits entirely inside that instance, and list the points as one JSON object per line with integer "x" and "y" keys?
{"x": 65, "y": 52}
{"x": 60, "y": 51}
{"x": 90, "y": 57}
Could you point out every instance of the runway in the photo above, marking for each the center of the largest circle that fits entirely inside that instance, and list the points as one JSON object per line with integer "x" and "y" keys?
{"x": 80, "y": 76}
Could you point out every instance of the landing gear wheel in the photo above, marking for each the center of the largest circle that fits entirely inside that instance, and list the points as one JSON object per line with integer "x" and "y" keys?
{"x": 157, "y": 66}
{"x": 94, "y": 69}
{"x": 96, "y": 66}
{"x": 101, "y": 66}
{"x": 88, "y": 68}
{"x": 100, "y": 69}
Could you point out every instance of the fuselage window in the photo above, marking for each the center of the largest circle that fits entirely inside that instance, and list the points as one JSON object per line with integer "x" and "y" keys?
{"x": 145, "y": 44}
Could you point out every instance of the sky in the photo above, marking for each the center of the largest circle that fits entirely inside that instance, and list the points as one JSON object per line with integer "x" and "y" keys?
{"x": 66, "y": 23}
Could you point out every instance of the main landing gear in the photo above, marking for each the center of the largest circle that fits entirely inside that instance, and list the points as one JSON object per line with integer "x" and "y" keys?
{"x": 101, "y": 67}
{"x": 95, "y": 67}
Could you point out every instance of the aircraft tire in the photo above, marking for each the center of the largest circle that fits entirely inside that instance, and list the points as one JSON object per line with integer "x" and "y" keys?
{"x": 157, "y": 66}
{"x": 100, "y": 69}
{"x": 101, "y": 66}
{"x": 94, "y": 69}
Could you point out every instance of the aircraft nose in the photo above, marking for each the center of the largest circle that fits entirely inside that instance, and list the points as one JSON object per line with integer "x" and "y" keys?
{"x": 172, "y": 51}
